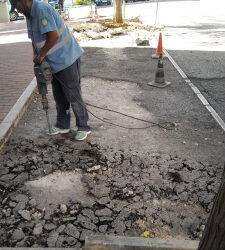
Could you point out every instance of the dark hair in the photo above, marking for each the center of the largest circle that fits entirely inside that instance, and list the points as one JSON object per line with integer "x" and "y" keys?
{"x": 13, "y": 2}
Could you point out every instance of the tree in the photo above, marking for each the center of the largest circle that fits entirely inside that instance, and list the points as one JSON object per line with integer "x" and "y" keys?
{"x": 214, "y": 234}
{"x": 117, "y": 17}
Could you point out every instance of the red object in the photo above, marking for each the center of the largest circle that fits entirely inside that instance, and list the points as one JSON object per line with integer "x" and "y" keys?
{"x": 159, "y": 49}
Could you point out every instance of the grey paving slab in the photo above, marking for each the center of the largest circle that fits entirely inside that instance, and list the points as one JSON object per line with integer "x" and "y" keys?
{"x": 136, "y": 243}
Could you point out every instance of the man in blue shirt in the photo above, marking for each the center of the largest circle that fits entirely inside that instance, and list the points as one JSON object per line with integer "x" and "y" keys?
{"x": 52, "y": 40}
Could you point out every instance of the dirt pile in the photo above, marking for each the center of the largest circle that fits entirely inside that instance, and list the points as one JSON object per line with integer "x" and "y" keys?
{"x": 128, "y": 193}
{"x": 106, "y": 29}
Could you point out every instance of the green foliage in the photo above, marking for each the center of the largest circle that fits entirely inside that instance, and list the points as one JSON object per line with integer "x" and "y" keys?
{"x": 81, "y": 2}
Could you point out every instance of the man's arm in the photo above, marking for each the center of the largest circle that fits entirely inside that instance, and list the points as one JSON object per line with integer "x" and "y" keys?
{"x": 52, "y": 37}
{"x": 34, "y": 50}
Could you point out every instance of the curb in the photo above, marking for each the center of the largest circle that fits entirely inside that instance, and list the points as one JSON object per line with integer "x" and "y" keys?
{"x": 30, "y": 248}
{"x": 10, "y": 122}
{"x": 109, "y": 242}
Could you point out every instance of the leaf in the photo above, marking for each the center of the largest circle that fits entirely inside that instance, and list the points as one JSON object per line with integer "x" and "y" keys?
{"x": 146, "y": 234}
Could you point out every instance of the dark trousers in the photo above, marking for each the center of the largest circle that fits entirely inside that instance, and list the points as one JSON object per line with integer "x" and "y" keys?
{"x": 67, "y": 91}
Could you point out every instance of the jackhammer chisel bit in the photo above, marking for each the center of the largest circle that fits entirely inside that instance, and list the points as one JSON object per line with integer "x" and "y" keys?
{"x": 44, "y": 76}
{"x": 44, "y": 102}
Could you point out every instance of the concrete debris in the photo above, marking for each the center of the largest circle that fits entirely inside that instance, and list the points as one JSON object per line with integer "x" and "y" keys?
{"x": 129, "y": 194}
{"x": 36, "y": 216}
{"x": 93, "y": 35}
{"x": 140, "y": 42}
{"x": 52, "y": 239}
{"x": 87, "y": 31}
{"x": 117, "y": 31}
{"x": 25, "y": 214}
{"x": 18, "y": 234}
{"x": 38, "y": 229}
{"x": 63, "y": 208}
{"x": 94, "y": 169}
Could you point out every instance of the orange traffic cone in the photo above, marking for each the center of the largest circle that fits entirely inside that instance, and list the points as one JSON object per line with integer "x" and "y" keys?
{"x": 159, "y": 49}
{"x": 159, "y": 75}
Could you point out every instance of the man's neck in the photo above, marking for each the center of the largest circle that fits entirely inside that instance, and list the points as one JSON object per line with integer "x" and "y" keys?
{"x": 29, "y": 5}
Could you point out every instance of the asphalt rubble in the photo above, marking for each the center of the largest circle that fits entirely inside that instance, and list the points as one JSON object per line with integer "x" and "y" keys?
{"x": 129, "y": 194}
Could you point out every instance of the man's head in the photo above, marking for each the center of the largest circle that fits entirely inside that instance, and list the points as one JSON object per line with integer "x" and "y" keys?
{"x": 22, "y": 6}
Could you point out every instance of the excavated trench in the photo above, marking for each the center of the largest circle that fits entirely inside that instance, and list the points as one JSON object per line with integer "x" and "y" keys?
{"x": 55, "y": 191}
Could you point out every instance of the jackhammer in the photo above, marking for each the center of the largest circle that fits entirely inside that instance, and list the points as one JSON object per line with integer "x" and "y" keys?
{"x": 43, "y": 75}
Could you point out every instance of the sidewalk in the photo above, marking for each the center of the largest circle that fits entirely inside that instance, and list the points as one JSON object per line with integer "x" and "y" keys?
{"x": 16, "y": 73}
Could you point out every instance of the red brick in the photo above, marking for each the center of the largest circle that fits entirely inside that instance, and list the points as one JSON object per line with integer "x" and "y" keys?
{"x": 16, "y": 72}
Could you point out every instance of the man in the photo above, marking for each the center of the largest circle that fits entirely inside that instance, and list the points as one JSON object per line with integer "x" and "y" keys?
{"x": 52, "y": 41}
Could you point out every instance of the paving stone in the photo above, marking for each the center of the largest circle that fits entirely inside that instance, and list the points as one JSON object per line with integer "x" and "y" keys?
{"x": 184, "y": 196}
{"x": 104, "y": 200}
{"x": 3, "y": 171}
{"x": 90, "y": 214}
{"x": 205, "y": 197}
{"x": 27, "y": 225}
{"x": 60, "y": 229}
{"x": 84, "y": 234}
{"x": 103, "y": 212}
{"x": 68, "y": 219}
{"x": 38, "y": 229}
{"x": 18, "y": 234}
{"x": 52, "y": 239}
{"x": 25, "y": 214}
{"x": 49, "y": 211}
{"x": 86, "y": 223}
{"x": 19, "y": 198}
{"x": 118, "y": 225}
{"x": 18, "y": 169}
{"x": 7, "y": 177}
{"x": 136, "y": 206}
{"x": 186, "y": 224}
{"x": 65, "y": 241}
{"x": 103, "y": 228}
{"x": 100, "y": 191}
{"x": 32, "y": 202}
{"x": 8, "y": 212}
{"x": 128, "y": 224}
{"x": 88, "y": 204}
{"x": 105, "y": 219}
{"x": 126, "y": 212}
{"x": 10, "y": 164}
{"x": 72, "y": 231}
{"x": 50, "y": 226}
{"x": 12, "y": 204}
{"x": 21, "y": 178}
{"x": 20, "y": 206}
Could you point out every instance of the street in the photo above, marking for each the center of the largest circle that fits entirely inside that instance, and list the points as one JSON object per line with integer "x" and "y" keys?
{"x": 194, "y": 35}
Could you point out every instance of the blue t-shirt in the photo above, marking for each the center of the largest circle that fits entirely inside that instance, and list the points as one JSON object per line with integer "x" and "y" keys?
{"x": 44, "y": 19}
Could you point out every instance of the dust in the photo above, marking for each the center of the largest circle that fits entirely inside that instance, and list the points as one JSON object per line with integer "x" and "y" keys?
{"x": 58, "y": 187}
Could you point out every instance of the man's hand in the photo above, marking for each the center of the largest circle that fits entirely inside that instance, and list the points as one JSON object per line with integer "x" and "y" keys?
{"x": 38, "y": 58}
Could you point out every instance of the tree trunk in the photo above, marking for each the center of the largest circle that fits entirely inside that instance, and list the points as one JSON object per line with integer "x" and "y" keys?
{"x": 214, "y": 235}
{"x": 117, "y": 17}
